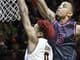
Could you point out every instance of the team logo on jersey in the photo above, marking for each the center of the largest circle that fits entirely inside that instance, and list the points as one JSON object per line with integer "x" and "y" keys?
{"x": 60, "y": 38}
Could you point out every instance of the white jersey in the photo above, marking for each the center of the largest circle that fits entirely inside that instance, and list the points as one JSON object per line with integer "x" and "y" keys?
{"x": 38, "y": 53}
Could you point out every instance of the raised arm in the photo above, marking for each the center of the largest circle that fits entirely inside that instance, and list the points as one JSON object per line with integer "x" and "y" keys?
{"x": 26, "y": 21}
{"x": 44, "y": 10}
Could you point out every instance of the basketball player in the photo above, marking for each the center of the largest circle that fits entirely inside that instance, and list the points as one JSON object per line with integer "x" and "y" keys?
{"x": 37, "y": 46}
{"x": 66, "y": 29}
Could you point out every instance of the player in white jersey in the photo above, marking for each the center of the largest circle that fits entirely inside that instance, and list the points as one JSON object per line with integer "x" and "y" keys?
{"x": 39, "y": 51}
{"x": 38, "y": 47}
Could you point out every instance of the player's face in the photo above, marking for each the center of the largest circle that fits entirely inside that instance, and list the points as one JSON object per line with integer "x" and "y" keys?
{"x": 64, "y": 9}
{"x": 38, "y": 32}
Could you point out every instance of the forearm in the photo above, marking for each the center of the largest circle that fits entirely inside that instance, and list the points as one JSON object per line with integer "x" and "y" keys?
{"x": 22, "y": 6}
{"x": 26, "y": 21}
{"x": 24, "y": 12}
{"x": 44, "y": 10}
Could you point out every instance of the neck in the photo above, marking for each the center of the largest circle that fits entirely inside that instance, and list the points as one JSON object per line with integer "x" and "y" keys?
{"x": 64, "y": 20}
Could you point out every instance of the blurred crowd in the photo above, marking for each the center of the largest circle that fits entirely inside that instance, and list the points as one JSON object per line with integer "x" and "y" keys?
{"x": 12, "y": 41}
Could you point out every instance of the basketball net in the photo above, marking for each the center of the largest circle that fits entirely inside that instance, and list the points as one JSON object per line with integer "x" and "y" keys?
{"x": 9, "y": 10}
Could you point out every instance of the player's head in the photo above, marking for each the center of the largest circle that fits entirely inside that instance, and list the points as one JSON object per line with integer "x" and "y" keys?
{"x": 65, "y": 9}
{"x": 45, "y": 29}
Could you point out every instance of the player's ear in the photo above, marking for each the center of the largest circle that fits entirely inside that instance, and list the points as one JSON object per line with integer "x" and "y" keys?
{"x": 41, "y": 33}
{"x": 70, "y": 14}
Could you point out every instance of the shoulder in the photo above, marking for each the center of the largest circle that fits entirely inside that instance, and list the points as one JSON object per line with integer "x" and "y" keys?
{"x": 42, "y": 40}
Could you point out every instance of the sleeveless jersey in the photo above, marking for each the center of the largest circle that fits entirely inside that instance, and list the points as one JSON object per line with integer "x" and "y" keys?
{"x": 64, "y": 44}
{"x": 38, "y": 53}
